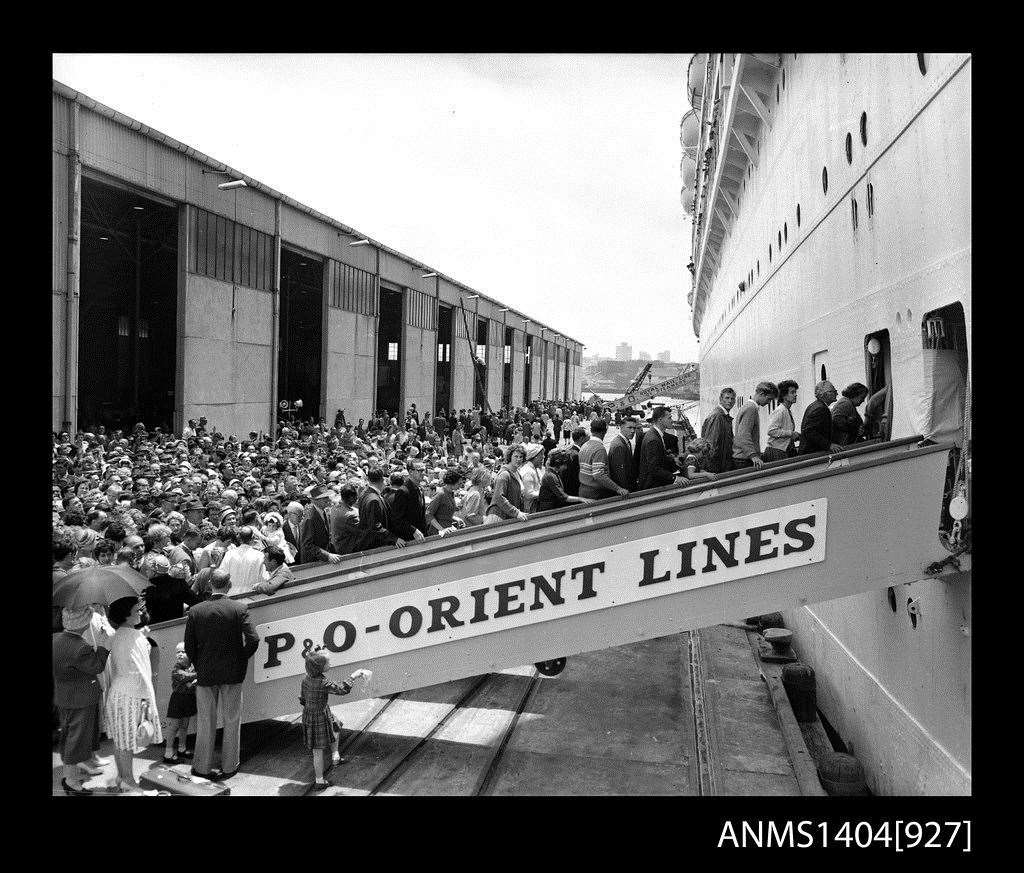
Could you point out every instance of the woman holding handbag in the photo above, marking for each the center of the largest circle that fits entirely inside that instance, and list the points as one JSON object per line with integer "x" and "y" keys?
{"x": 132, "y": 719}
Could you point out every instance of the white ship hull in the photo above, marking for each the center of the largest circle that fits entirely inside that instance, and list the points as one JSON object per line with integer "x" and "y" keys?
{"x": 899, "y": 696}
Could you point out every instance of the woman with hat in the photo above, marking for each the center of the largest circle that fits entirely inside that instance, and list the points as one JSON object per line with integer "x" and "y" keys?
{"x": 131, "y": 698}
{"x": 530, "y": 474}
{"x": 273, "y": 534}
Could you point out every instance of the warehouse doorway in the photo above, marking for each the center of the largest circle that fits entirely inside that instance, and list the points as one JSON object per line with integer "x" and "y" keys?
{"x": 300, "y": 335}
{"x": 443, "y": 382}
{"x": 389, "y": 354}
{"x": 527, "y": 370}
{"x": 480, "y": 364}
{"x": 127, "y": 339}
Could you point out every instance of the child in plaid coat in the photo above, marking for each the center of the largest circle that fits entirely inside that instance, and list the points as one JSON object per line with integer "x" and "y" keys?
{"x": 320, "y": 728}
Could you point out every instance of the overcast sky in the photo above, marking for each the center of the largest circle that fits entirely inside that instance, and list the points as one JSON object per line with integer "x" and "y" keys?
{"x": 550, "y": 182}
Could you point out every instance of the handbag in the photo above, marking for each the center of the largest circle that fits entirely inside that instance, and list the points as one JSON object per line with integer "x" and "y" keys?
{"x": 145, "y": 732}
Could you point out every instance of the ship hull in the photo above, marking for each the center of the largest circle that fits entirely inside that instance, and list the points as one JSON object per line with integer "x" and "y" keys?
{"x": 897, "y": 692}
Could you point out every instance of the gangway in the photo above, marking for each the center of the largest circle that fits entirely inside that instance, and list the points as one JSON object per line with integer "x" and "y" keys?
{"x": 589, "y": 577}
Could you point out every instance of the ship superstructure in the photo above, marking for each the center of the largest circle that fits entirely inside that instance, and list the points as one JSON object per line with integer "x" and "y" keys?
{"x": 830, "y": 197}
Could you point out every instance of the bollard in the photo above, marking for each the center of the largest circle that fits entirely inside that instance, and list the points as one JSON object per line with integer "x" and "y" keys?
{"x": 772, "y": 619}
{"x": 842, "y": 775}
{"x": 798, "y": 680}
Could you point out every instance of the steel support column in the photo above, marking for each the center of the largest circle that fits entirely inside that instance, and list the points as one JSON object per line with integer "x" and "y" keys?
{"x": 72, "y": 298}
{"x": 275, "y": 309}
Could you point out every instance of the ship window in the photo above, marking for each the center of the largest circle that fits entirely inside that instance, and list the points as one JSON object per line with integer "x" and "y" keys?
{"x": 824, "y": 373}
{"x": 878, "y": 369}
{"x": 921, "y": 65}
{"x": 769, "y": 253}
{"x": 853, "y": 211}
{"x": 824, "y": 179}
{"x": 871, "y": 199}
{"x": 864, "y": 128}
{"x": 798, "y": 215}
{"x": 758, "y": 266}
{"x": 783, "y": 78}
{"x": 849, "y": 148}
{"x": 776, "y": 93}
{"x": 785, "y": 231}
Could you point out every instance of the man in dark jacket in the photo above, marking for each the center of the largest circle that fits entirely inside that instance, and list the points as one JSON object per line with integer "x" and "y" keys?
{"x": 571, "y": 476}
{"x": 373, "y": 516}
{"x": 219, "y": 641}
{"x": 407, "y": 509}
{"x": 656, "y": 466}
{"x": 717, "y": 430}
{"x": 816, "y": 425}
{"x": 621, "y": 462}
{"x": 315, "y": 532}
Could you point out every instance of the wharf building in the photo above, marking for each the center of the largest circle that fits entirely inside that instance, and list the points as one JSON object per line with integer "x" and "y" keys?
{"x": 175, "y": 298}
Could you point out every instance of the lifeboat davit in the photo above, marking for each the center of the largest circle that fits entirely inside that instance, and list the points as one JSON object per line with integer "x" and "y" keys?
{"x": 689, "y": 133}
{"x": 695, "y": 81}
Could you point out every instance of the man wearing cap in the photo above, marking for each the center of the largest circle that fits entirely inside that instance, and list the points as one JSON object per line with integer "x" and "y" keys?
{"x": 315, "y": 532}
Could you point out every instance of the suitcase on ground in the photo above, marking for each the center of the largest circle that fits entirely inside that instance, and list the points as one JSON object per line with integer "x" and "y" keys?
{"x": 166, "y": 779}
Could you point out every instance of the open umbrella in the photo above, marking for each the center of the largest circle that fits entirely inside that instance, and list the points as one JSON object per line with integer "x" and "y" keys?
{"x": 98, "y": 584}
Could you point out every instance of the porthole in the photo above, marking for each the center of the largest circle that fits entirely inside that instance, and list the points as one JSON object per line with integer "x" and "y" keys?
{"x": 824, "y": 179}
{"x": 864, "y": 128}
{"x": 849, "y": 148}
{"x": 871, "y": 199}
{"x": 758, "y": 266}
{"x": 853, "y": 211}
{"x": 798, "y": 215}
{"x": 785, "y": 232}
{"x": 921, "y": 65}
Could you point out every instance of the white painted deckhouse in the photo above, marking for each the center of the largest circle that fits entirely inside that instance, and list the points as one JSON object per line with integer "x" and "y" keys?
{"x": 175, "y": 297}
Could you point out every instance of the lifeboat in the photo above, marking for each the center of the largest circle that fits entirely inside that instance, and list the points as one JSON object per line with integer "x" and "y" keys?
{"x": 695, "y": 81}
{"x": 689, "y": 133}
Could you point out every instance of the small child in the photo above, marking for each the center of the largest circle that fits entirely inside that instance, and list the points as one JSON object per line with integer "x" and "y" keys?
{"x": 181, "y": 707}
{"x": 320, "y": 729}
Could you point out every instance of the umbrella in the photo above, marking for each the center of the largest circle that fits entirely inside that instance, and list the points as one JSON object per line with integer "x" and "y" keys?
{"x": 98, "y": 584}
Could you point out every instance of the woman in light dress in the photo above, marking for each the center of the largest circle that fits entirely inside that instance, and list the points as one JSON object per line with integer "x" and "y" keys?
{"x": 273, "y": 533}
{"x": 130, "y": 696}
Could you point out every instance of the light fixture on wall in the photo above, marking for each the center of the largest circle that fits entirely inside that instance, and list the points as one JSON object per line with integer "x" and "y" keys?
{"x": 360, "y": 242}
{"x": 473, "y": 297}
{"x": 874, "y": 346}
{"x": 428, "y": 275}
{"x": 232, "y": 185}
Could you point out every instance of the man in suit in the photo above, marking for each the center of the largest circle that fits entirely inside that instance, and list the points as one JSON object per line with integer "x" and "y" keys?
{"x": 219, "y": 640}
{"x": 373, "y": 516}
{"x": 77, "y": 695}
{"x": 656, "y": 466}
{"x": 571, "y": 476}
{"x": 717, "y": 430}
{"x": 621, "y": 462}
{"x": 816, "y": 425}
{"x": 293, "y": 525}
{"x": 408, "y": 511}
{"x": 315, "y": 531}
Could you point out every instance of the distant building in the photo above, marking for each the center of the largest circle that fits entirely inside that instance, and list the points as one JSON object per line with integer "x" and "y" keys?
{"x": 645, "y": 356}
{"x": 665, "y": 357}
{"x": 623, "y": 352}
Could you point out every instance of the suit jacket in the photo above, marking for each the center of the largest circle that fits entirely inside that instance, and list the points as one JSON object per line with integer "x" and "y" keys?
{"x": 816, "y": 429}
{"x": 314, "y": 534}
{"x": 75, "y": 668}
{"x": 408, "y": 511}
{"x": 621, "y": 464}
{"x": 571, "y": 478}
{"x": 656, "y": 467}
{"x": 717, "y": 430}
{"x": 220, "y": 640}
{"x": 373, "y": 522}
{"x": 289, "y": 536}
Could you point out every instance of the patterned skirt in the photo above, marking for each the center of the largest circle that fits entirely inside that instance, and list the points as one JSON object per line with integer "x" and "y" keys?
{"x": 124, "y": 714}
{"x": 319, "y": 727}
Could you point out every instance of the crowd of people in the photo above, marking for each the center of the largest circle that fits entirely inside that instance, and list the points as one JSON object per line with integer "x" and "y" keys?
{"x": 203, "y": 515}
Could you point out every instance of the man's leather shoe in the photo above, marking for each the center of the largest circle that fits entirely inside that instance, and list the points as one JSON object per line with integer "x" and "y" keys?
{"x": 213, "y": 775}
{"x": 74, "y": 792}
{"x": 222, "y": 776}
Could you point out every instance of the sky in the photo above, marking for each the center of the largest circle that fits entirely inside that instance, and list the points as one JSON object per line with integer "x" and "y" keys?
{"x": 548, "y": 182}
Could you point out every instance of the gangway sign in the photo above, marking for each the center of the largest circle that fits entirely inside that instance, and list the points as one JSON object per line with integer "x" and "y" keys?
{"x": 605, "y": 574}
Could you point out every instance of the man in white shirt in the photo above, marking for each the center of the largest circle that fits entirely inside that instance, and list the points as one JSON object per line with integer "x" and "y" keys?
{"x": 245, "y": 564}
{"x": 781, "y": 426}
